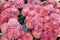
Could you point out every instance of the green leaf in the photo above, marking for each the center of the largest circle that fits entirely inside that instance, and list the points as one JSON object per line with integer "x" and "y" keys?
{"x": 0, "y": 34}
{"x": 24, "y": 27}
{"x": 57, "y": 0}
{"x": 44, "y": 3}
{"x": 0, "y": 0}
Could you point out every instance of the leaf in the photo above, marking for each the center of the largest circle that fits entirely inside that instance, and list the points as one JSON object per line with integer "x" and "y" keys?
{"x": 44, "y": 3}
{"x": 57, "y": 0}
{"x": 25, "y": 1}
{"x": 21, "y": 19}
{"x": 0, "y": 34}
{"x": 25, "y": 29}
{"x": 0, "y": 0}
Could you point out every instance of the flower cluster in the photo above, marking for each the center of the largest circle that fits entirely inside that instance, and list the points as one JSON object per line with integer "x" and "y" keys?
{"x": 42, "y": 19}
{"x": 9, "y": 9}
